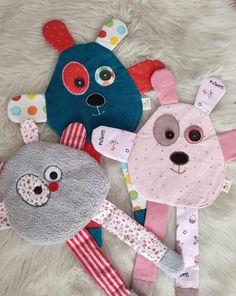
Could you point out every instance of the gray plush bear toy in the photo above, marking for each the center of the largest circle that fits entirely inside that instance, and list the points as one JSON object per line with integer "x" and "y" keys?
{"x": 51, "y": 192}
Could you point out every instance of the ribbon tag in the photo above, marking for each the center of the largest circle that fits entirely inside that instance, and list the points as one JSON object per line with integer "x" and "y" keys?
{"x": 113, "y": 143}
{"x": 146, "y": 103}
{"x": 210, "y": 92}
{"x": 226, "y": 186}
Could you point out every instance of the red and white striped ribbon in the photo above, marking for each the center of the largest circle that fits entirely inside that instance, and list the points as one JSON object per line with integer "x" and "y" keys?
{"x": 74, "y": 136}
{"x": 97, "y": 265}
{"x": 83, "y": 245}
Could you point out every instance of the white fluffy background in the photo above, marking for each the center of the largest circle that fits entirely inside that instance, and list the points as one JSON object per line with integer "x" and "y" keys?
{"x": 195, "y": 39}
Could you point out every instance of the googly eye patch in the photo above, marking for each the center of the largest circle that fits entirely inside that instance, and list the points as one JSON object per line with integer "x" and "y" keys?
{"x": 104, "y": 76}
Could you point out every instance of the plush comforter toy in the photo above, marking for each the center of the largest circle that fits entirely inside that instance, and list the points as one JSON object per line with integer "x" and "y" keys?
{"x": 89, "y": 85}
{"x": 176, "y": 159}
{"x": 51, "y": 192}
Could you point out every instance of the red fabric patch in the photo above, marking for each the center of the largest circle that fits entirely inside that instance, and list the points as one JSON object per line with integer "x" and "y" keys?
{"x": 53, "y": 186}
{"x": 142, "y": 72}
{"x": 88, "y": 147}
{"x": 73, "y": 71}
{"x": 57, "y": 35}
{"x": 17, "y": 98}
{"x": 102, "y": 34}
{"x": 93, "y": 224}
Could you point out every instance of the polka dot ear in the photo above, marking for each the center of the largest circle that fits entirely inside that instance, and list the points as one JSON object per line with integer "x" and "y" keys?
{"x": 112, "y": 33}
{"x": 29, "y": 131}
{"x": 142, "y": 72}
{"x": 57, "y": 35}
{"x": 27, "y": 106}
{"x": 210, "y": 92}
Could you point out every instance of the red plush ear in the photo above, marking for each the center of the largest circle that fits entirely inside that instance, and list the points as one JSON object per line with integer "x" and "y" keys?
{"x": 142, "y": 72}
{"x": 57, "y": 35}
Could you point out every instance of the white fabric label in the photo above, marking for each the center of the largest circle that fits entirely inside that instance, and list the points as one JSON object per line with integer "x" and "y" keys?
{"x": 146, "y": 103}
{"x": 226, "y": 186}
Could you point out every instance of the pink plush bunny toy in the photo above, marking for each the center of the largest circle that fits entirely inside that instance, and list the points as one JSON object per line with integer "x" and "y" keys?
{"x": 177, "y": 159}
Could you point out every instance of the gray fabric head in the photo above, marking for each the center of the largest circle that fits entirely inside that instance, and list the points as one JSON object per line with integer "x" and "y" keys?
{"x": 51, "y": 191}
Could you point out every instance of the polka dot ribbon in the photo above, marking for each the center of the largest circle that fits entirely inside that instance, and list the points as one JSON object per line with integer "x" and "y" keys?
{"x": 112, "y": 33}
{"x": 27, "y": 106}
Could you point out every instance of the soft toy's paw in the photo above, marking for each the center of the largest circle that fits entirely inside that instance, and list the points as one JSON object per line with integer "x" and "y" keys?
{"x": 172, "y": 264}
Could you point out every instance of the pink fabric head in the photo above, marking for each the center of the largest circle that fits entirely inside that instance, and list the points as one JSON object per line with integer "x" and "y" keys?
{"x": 164, "y": 83}
{"x": 187, "y": 171}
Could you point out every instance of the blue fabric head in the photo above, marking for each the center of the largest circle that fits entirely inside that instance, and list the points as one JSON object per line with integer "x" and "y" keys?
{"x": 91, "y": 86}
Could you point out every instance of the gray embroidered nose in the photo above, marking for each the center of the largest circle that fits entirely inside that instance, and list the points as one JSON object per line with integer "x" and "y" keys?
{"x": 95, "y": 100}
{"x": 179, "y": 158}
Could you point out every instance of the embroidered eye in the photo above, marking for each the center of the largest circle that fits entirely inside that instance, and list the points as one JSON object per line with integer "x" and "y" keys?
{"x": 79, "y": 82}
{"x": 52, "y": 173}
{"x": 193, "y": 134}
{"x": 75, "y": 78}
{"x": 166, "y": 129}
{"x": 104, "y": 76}
{"x": 33, "y": 190}
{"x": 169, "y": 134}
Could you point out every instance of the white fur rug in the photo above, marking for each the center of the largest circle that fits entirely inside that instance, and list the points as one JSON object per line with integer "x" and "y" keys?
{"x": 195, "y": 39}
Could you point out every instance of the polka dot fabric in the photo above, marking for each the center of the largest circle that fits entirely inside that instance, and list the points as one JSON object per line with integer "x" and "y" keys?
{"x": 137, "y": 200}
{"x": 57, "y": 34}
{"x": 27, "y": 106}
{"x": 142, "y": 72}
{"x": 195, "y": 183}
{"x": 112, "y": 33}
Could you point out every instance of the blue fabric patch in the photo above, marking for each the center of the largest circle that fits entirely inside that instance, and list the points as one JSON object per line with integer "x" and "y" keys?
{"x": 96, "y": 233}
{"x": 140, "y": 216}
{"x": 123, "y": 106}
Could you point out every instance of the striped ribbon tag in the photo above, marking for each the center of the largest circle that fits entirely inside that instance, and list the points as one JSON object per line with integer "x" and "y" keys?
{"x": 74, "y": 136}
{"x": 96, "y": 264}
{"x": 83, "y": 245}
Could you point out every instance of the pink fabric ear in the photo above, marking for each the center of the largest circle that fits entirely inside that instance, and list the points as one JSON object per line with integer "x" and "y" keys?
{"x": 164, "y": 83}
{"x": 57, "y": 35}
{"x": 142, "y": 72}
{"x": 227, "y": 142}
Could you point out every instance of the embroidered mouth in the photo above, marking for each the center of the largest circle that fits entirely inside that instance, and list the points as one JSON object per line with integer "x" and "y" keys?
{"x": 178, "y": 171}
{"x": 98, "y": 112}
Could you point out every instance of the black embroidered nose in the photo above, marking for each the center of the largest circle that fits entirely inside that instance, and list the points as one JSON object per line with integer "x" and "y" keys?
{"x": 95, "y": 100}
{"x": 179, "y": 158}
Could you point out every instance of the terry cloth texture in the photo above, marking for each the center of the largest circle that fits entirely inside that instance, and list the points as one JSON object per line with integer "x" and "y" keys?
{"x": 82, "y": 185}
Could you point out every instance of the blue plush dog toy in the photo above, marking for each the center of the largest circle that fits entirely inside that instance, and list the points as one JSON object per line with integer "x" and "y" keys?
{"x": 89, "y": 85}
